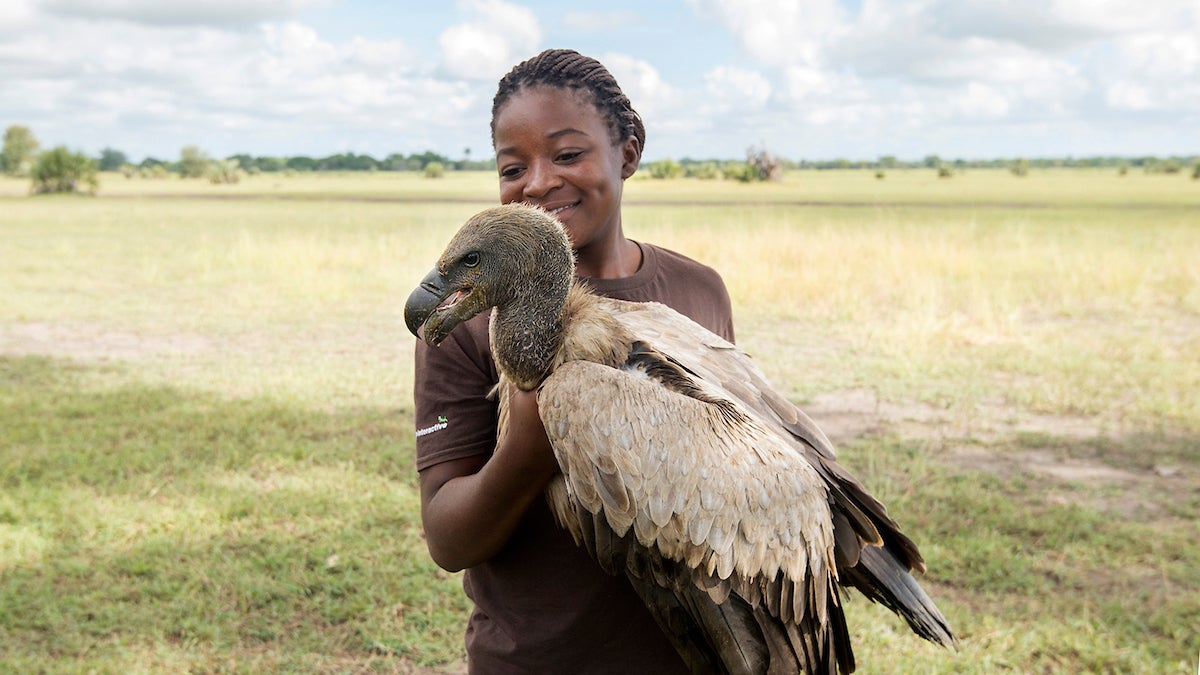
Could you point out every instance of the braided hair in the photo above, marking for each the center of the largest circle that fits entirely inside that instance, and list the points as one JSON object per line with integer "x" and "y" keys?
{"x": 568, "y": 69}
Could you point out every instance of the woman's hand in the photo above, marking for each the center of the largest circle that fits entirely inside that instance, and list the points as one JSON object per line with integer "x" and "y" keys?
{"x": 470, "y": 507}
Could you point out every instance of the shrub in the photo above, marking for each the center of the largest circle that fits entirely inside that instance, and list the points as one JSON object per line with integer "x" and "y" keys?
{"x": 193, "y": 162}
{"x": 1196, "y": 171}
{"x": 704, "y": 171}
{"x": 1020, "y": 168}
{"x": 435, "y": 170}
{"x": 880, "y": 175}
{"x": 945, "y": 172}
{"x": 60, "y": 170}
{"x": 741, "y": 172}
{"x": 224, "y": 171}
{"x": 665, "y": 168}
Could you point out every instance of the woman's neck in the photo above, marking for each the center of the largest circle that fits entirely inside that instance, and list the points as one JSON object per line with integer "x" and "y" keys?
{"x": 622, "y": 259}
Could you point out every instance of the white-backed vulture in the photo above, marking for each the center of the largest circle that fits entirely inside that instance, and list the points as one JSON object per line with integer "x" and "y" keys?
{"x": 682, "y": 468}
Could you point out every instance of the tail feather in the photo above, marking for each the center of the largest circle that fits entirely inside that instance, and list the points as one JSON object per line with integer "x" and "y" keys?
{"x": 884, "y": 579}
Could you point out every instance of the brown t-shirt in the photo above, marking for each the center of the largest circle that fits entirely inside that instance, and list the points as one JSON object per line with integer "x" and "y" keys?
{"x": 541, "y": 604}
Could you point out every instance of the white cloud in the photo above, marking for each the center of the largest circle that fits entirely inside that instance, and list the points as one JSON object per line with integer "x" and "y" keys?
{"x": 169, "y": 13}
{"x": 1155, "y": 72}
{"x": 926, "y": 65}
{"x": 809, "y": 78}
{"x": 778, "y": 32}
{"x": 14, "y": 14}
{"x": 496, "y": 37}
{"x": 736, "y": 88}
{"x": 131, "y": 85}
{"x": 642, "y": 83}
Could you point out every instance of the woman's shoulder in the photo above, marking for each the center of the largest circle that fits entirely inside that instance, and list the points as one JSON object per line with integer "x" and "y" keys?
{"x": 675, "y": 265}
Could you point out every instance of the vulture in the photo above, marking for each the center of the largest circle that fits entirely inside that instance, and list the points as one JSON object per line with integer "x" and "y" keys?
{"x": 681, "y": 468}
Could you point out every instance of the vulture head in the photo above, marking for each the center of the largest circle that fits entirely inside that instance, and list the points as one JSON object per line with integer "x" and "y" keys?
{"x": 515, "y": 258}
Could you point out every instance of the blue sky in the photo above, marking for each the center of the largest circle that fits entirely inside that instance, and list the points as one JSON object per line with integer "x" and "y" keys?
{"x": 808, "y": 79}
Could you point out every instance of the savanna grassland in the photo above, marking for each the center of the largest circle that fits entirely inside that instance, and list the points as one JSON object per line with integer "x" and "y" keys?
{"x": 206, "y": 434}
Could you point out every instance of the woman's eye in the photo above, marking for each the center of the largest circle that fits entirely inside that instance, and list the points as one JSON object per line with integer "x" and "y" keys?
{"x": 510, "y": 172}
{"x": 569, "y": 156}
{"x": 471, "y": 259}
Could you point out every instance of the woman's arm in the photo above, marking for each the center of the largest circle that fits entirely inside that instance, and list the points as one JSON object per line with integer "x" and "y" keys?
{"x": 471, "y": 506}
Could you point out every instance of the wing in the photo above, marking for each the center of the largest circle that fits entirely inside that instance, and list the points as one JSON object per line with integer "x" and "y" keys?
{"x": 861, "y": 522}
{"x": 696, "y": 497}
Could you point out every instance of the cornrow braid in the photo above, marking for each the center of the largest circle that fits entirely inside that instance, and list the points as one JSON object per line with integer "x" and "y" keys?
{"x": 568, "y": 69}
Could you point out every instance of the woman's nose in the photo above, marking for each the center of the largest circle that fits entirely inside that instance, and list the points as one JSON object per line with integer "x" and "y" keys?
{"x": 541, "y": 178}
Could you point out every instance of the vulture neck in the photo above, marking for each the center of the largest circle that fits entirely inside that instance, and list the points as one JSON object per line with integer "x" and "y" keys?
{"x": 527, "y": 331}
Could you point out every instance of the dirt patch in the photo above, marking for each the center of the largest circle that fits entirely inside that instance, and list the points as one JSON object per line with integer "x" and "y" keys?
{"x": 92, "y": 343}
{"x": 970, "y": 442}
{"x": 849, "y": 414}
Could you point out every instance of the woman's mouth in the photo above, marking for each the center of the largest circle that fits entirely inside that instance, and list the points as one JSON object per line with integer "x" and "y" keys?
{"x": 560, "y": 209}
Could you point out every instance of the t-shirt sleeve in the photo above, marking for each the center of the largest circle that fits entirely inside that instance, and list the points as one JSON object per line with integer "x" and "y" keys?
{"x": 454, "y": 416}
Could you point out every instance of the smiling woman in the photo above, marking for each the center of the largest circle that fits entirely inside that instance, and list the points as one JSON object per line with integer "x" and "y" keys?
{"x": 566, "y": 138}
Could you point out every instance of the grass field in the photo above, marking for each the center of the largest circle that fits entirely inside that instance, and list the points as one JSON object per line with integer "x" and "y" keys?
{"x": 206, "y": 434}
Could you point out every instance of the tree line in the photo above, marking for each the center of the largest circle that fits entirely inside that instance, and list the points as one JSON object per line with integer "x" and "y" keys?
{"x": 61, "y": 170}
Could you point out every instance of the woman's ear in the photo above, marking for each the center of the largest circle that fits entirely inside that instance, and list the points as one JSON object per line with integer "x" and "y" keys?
{"x": 631, "y": 156}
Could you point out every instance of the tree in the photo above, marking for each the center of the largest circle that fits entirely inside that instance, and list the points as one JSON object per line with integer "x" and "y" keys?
{"x": 60, "y": 170}
{"x": 434, "y": 170}
{"x": 193, "y": 162}
{"x": 301, "y": 163}
{"x": 112, "y": 160}
{"x": 19, "y": 149}
{"x": 767, "y": 166}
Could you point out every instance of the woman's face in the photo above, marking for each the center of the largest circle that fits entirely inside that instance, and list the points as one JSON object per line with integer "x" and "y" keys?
{"x": 554, "y": 149}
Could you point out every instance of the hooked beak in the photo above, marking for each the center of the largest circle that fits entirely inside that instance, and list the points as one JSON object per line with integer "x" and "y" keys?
{"x": 427, "y": 306}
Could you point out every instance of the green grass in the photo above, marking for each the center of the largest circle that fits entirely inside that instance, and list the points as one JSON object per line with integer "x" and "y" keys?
{"x": 149, "y": 528}
{"x": 206, "y": 433}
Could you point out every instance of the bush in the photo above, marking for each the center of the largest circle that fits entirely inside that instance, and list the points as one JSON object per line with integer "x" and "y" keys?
{"x": 193, "y": 162}
{"x": 664, "y": 168}
{"x": 741, "y": 172}
{"x": 704, "y": 171}
{"x": 1020, "y": 168}
{"x": 945, "y": 172}
{"x": 60, "y": 170}
{"x": 1196, "y": 171}
{"x": 435, "y": 170}
{"x": 880, "y": 175}
{"x": 224, "y": 171}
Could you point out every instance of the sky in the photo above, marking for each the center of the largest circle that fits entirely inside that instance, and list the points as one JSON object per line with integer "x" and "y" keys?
{"x": 805, "y": 79}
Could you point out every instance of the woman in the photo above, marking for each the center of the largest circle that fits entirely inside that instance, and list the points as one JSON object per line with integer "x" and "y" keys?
{"x": 566, "y": 138}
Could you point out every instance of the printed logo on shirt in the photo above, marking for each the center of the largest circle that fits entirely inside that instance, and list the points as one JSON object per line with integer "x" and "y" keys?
{"x": 442, "y": 423}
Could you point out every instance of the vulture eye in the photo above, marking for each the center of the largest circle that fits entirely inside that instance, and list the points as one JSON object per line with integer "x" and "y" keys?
{"x": 471, "y": 259}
